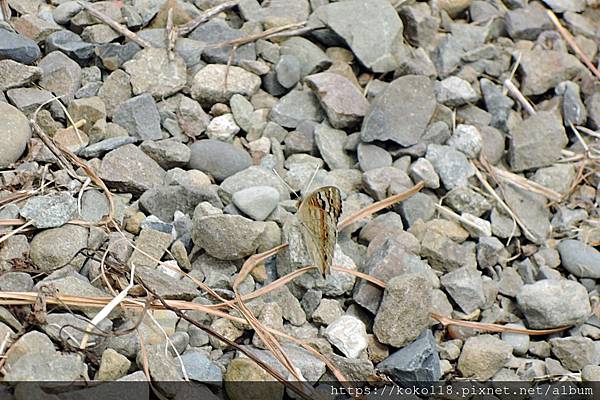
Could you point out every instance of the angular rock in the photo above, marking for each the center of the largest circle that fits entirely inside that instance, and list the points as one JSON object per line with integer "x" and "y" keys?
{"x": 330, "y": 143}
{"x": 411, "y": 293}
{"x": 16, "y": 132}
{"x": 451, "y": 165}
{"x": 483, "y": 356}
{"x": 465, "y": 286}
{"x": 218, "y": 159}
{"x": 295, "y": 107}
{"x": 532, "y": 211}
{"x": 312, "y": 58}
{"x": 14, "y": 74}
{"x": 401, "y": 112}
{"x": 60, "y": 75}
{"x": 552, "y": 303}
{"x": 217, "y": 31}
{"x": 150, "y": 247}
{"x": 139, "y": 115}
{"x": 208, "y": 86}
{"x": 544, "y": 69}
{"x": 227, "y": 237}
{"x": 129, "y": 169}
{"x": 50, "y": 211}
{"x": 168, "y": 153}
{"x": 536, "y": 142}
{"x": 527, "y": 22}
{"x": 454, "y": 91}
{"x": 256, "y": 202}
{"x": 348, "y": 334}
{"x": 417, "y": 362}
{"x": 115, "y": 90}
{"x": 342, "y": 100}
{"x": 71, "y": 44}
{"x": 153, "y": 71}
{"x": 372, "y": 29}
{"x": 575, "y": 352}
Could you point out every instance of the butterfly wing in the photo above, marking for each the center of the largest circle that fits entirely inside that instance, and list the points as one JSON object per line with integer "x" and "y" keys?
{"x": 319, "y": 214}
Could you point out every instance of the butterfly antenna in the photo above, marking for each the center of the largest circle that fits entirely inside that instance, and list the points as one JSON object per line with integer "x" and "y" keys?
{"x": 312, "y": 178}
{"x": 285, "y": 183}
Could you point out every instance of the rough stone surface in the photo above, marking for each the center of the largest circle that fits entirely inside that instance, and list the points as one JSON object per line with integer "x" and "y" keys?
{"x": 218, "y": 159}
{"x": 409, "y": 292}
{"x": 15, "y": 134}
{"x": 226, "y": 237}
{"x": 418, "y": 361}
{"x": 482, "y": 356}
{"x": 140, "y": 117}
{"x": 581, "y": 260}
{"x": 401, "y": 112}
{"x": 208, "y": 83}
{"x": 50, "y": 211}
{"x": 552, "y": 303}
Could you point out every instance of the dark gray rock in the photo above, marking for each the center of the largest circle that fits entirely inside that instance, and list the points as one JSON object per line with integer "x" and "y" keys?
{"x": 201, "y": 368}
{"x": 312, "y": 58}
{"x": 50, "y": 250}
{"x": 573, "y": 109}
{"x": 60, "y": 75}
{"x": 71, "y": 44}
{"x": 168, "y": 153}
{"x": 100, "y": 148}
{"x": 527, "y": 22}
{"x": 532, "y": 211}
{"x": 217, "y": 31}
{"x": 401, "y": 112}
{"x": 154, "y": 72}
{"x": 497, "y": 103}
{"x": 218, "y": 159}
{"x": 114, "y": 55}
{"x": 372, "y": 29}
{"x": 208, "y": 85}
{"x": 552, "y": 303}
{"x": 14, "y": 74}
{"x": 129, "y": 169}
{"x": 330, "y": 143}
{"x": 542, "y": 70}
{"x": 164, "y": 201}
{"x": 18, "y": 48}
{"x": 288, "y": 70}
{"x": 371, "y": 156}
{"x": 450, "y": 164}
{"x": 139, "y": 115}
{"x": 417, "y": 362}
{"x": 465, "y": 286}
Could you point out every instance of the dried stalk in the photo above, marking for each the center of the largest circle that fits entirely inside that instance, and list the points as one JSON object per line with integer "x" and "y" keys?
{"x": 205, "y": 16}
{"x": 573, "y": 44}
{"x": 123, "y": 30}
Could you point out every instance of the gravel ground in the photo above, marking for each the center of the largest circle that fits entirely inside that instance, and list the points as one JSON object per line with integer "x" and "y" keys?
{"x": 199, "y": 126}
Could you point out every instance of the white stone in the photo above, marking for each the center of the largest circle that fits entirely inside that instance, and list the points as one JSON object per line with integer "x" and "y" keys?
{"x": 348, "y": 334}
{"x": 222, "y": 128}
{"x": 466, "y": 139}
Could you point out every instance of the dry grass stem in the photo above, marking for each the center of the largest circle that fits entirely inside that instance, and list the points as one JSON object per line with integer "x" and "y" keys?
{"x": 205, "y": 16}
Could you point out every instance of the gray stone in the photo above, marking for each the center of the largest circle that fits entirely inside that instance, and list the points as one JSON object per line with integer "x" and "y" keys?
{"x": 497, "y": 103}
{"x": 330, "y": 143}
{"x": 590, "y": 373}
{"x": 327, "y": 312}
{"x": 417, "y": 362}
{"x": 14, "y": 74}
{"x": 467, "y": 140}
{"x": 112, "y": 366}
{"x": 115, "y": 90}
{"x": 536, "y": 142}
{"x": 15, "y": 247}
{"x": 63, "y": 13}
{"x": 47, "y": 366}
{"x": 401, "y": 112}
{"x": 208, "y": 85}
{"x": 276, "y": 11}
{"x": 218, "y": 159}
{"x": 256, "y": 202}
{"x": 114, "y": 55}
{"x": 348, "y": 334}
{"x": 465, "y": 286}
{"x": 50, "y": 211}
{"x": 129, "y": 169}
{"x": 544, "y": 69}
{"x": 451, "y": 165}
{"x": 371, "y": 156}
{"x": 223, "y": 128}
{"x": 573, "y": 109}
{"x": 311, "y": 57}
{"x": 354, "y": 369}
{"x": 411, "y": 293}
{"x": 464, "y": 199}
{"x": 417, "y": 207}
{"x": 60, "y": 75}
{"x": 527, "y": 22}
{"x": 70, "y": 328}
{"x": 71, "y": 44}
{"x": 422, "y": 170}
{"x": 532, "y": 211}
{"x": 16, "y": 282}
{"x": 201, "y": 368}
{"x": 295, "y": 107}
{"x": 454, "y": 91}
{"x": 560, "y": 6}
{"x": 552, "y": 303}
{"x": 151, "y": 245}
{"x": 57, "y": 247}
{"x": 139, "y": 115}
{"x": 253, "y": 176}
{"x": 16, "y": 132}
{"x": 444, "y": 254}
{"x": 310, "y": 366}
{"x": 30, "y": 99}
{"x": 372, "y": 29}
{"x": 593, "y": 107}
{"x": 288, "y": 70}
{"x": 100, "y": 148}
{"x": 581, "y": 260}
{"x": 169, "y": 153}
{"x": 483, "y": 356}
{"x": 153, "y": 71}
{"x": 518, "y": 341}
{"x": 217, "y": 31}
{"x": 167, "y": 286}
{"x": 227, "y": 237}
{"x": 341, "y": 99}
{"x": 18, "y": 48}
{"x": 575, "y": 352}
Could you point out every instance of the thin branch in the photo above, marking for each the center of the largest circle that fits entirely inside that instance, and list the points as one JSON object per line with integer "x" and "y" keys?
{"x": 123, "y": 30}
{"x": 205, "y": 16}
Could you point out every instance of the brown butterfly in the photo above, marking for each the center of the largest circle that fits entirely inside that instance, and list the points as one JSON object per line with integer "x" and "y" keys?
{"x": 319, "y": 213}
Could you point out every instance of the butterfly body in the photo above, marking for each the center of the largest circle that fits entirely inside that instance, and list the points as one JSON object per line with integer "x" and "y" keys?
{"x": 319, "y": 213}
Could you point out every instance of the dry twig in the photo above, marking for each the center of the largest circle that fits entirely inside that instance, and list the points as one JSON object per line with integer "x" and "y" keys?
{"x": 205, "y": 16}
